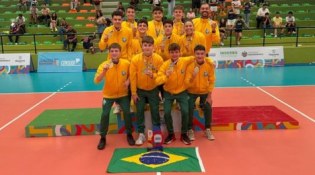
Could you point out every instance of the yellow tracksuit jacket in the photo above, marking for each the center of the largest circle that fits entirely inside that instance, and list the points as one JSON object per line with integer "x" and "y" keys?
{"x": 114, "y": 78}
{"x": 155, "y": 29}
{"x": 187, "y": 44}
{"x": 164, "y": 42}
{"x": 174, "y": 84}
{"x": 123, "y": 37}
{"x": 204, "y": 26}
{"x": 204, "y": 81}
{"x": 178, "y": 28}
{"x": 139, "y": 65}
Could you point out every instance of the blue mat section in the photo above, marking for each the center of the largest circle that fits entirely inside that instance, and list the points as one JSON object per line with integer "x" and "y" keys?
{"x": 83, "y": 81}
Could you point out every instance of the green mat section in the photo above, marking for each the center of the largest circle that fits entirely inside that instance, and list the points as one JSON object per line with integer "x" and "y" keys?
{"x": 133, "y": 160}
{"x": 70, "y": 117}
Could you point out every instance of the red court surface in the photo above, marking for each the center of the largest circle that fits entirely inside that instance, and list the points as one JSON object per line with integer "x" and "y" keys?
{"x": 288, "y": 152}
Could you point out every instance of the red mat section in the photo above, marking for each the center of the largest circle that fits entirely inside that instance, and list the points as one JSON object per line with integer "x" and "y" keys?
{"x": 250, "y": 114}
{"x": 247, "y": 118}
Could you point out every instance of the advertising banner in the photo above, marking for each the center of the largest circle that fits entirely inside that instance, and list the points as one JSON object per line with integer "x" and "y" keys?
{"x": 244, "y": 57}
{"x": 18, "y": 63}
{"x": 60, "y": 62}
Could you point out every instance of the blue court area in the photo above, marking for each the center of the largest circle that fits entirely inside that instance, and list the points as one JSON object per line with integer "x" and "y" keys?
{"x": 83, "y": 81}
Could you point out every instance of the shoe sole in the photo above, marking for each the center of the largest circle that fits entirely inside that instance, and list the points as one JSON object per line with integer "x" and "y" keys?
{"x": 186, "y": 143}
{"x": 169, "y": 142}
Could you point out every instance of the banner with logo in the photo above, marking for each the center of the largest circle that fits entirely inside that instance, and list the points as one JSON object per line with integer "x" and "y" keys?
{"x": 243, "y": 57}
{"x": 18, "y": 63}
{"x": 60, "y": 61}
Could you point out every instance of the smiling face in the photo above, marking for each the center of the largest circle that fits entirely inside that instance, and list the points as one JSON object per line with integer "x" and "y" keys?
{"x": 147, "y": 49}
{"x": 200, "y": 56}
{"x": 157, "y": 15}
{"x": 204, "y": 10}
{"x": 116, "y": 20}
{"x": 130, "y": 14}
{"x": 189, "y": 28}
{"x": 114, "y": 55}
{"x": 168, "y": 28}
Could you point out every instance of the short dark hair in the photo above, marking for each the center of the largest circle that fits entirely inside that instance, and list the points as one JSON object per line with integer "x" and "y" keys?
{"x": 131, "y": 7}
{"x": 277, "y": 12}
{"x": 179, "y": 7}
{"x": 148, "y": 39}
{"x": 143, "y": 21}
{"x": 290, "y": 12}
{"x": 114, "y": 46}
{"x": 173, "y": 47}
{"x": 157, "y": 8}
{"x": 199, "y": 47}
{"x": 168, "y": 21}
{"x": 117, "y": 13}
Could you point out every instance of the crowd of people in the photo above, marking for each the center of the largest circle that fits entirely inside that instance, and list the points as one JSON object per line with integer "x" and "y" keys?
{"x": 234, "y": 16}
{"x": 158, "y": 62}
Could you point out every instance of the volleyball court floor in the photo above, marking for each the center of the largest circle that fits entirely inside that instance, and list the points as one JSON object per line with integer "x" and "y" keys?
{"x": 291, "y": 151}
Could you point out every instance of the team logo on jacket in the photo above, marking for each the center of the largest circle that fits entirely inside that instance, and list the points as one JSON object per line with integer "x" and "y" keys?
{"x": 182, "y": 71}
{"x": 123, "y": 73}
{"x": 207, "y": 31}
{"x": 205, "y": 74}
{"x": 124, "y": 39}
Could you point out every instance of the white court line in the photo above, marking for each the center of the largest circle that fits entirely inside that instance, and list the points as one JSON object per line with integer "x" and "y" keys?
{"x": 158, "y": 173}
{"x": 279, "y": 100}
{"x": 34, "y": 106}
{"x": 200, "y": 161}
{"x": 21, "y": 115}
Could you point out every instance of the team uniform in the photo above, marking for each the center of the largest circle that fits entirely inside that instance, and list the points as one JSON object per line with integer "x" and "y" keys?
{"x": 145, "y": 87}
{"x": 163, "y": 42}
{"x": 187, "y": 44}
{"x": 155, "y": 29}
{"x": 123, "y": 37}
{"x": 211, "y": 35}
{"x": 114, "y": 90}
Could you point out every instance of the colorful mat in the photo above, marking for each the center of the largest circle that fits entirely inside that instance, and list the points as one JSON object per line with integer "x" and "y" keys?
{"x": 132, "y": 160}
{"x": 72, "y": 122}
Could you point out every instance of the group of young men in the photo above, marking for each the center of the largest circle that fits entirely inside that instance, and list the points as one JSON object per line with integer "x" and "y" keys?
{"x": 145, "y": 56}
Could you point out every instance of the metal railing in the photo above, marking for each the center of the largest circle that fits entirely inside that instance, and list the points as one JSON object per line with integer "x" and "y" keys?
{"x": 265, "y": 39}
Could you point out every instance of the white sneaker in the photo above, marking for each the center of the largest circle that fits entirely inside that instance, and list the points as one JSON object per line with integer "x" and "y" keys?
{"x": 222, "y": 44}
{"x": 191, "y": 135}
{"x": 209, "y": 135}
{"x": 276, "y": 36}
{"x": 116, "y": 109}
{"x": 141, "y": 139}
{"x": 238, "y": 43}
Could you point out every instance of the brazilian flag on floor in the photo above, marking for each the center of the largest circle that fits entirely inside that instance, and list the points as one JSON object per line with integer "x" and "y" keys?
{"x": 133, "y": 160}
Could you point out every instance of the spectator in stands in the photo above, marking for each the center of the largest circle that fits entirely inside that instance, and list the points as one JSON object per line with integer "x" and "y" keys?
{"x": 135, "y": 4}
{"x": 74, "y": 5}
{"x": 222, "y": 13}
{"x": 47, "y": 2}
{"x": 100, "y": 21}
{"x": 214, "y": 9}
{"x": 22, "y": 5}
{"x": 33, "y": 15}
{"x": 236, "y": 5}
{"x": 221, "y": 4}
{"x": 45, "y": 15}
{"x": 277, "y": 24}
{"x": 239, "y": 26}
{"x": 170, "y": 7}
{"x": 190, "y": 14}
{"x": 267, "y": 21}
{"x": 62, "y": 29}
{"x": 53, "y": 22}
{"x": 71, "y": 39}
{"x": 261, "y": 15}
{"x": 222, "y": 27}
{"x": 16, "y": 31}
{"x": 247, "y": 10}
{"x": 97, "y": 4}
{"x": 195, "y": 5}
{"x": 231, "y": 19}
{"x": 20, "y": 21}
{"x": 88, "y": 43}
{"x": 290, "y": 23}
{"x": 33, "y": 3}
{"x": 156, "y": 3}
{"x": 178, "y": 26}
